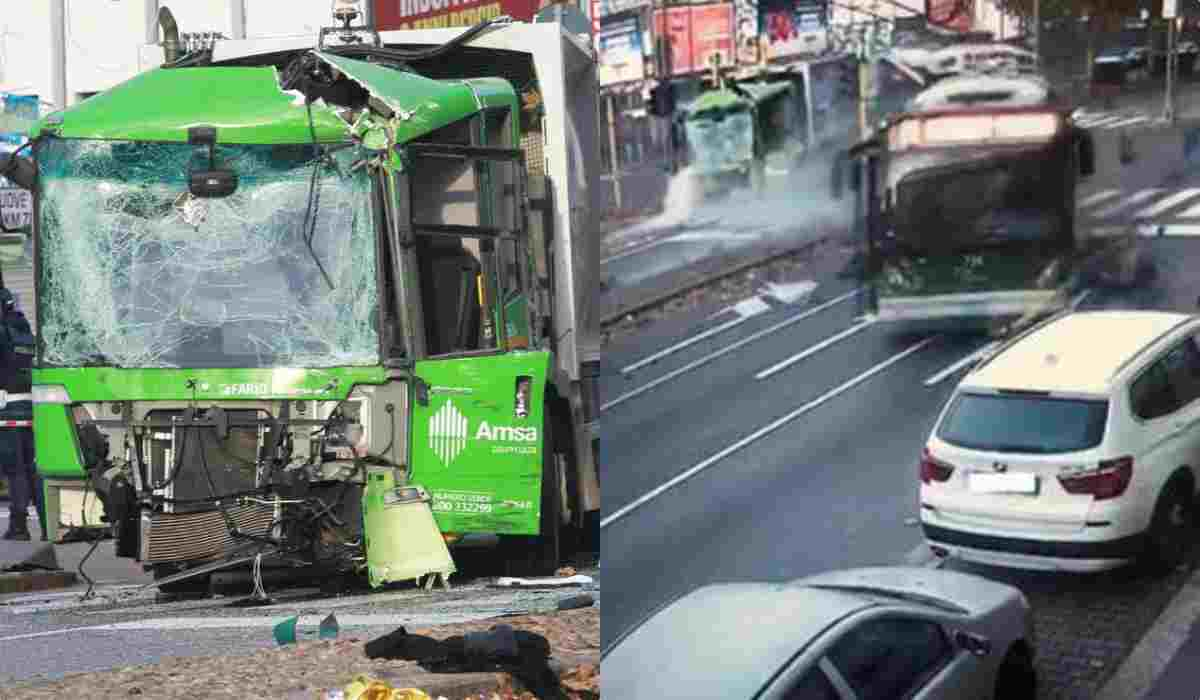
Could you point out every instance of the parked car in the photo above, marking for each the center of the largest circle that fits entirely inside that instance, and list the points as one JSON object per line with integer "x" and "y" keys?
{"x": 878, "y": 633}
{"x": 1075, "y": 446}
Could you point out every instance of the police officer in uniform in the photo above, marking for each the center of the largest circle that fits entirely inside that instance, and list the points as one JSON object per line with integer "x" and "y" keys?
{"x": 17, "y": 457}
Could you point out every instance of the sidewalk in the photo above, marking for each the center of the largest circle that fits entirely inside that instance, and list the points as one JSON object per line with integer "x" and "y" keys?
{"x": 1163, "y": 665}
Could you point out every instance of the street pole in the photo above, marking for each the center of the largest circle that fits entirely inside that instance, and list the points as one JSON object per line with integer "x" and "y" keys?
{"x": 237, "y": 12}
{"x": 58, "y": 52}
{"x": 864, "y": 85}
{"x": 612, "y": 149}
{"x": 1037, "y": 32}
{"x": 1169, "y": 12}
{"x": 150, "y": 20}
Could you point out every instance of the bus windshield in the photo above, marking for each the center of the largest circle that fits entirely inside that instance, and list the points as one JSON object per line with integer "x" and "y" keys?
{"x": 137, "y": 272}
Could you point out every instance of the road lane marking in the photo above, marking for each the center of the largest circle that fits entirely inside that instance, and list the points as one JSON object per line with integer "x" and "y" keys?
{"x": 726, "y": 350}
{"x": 812, "y": 350}
{"x": 1169, "y": 231}
{"x": 762, "y": 432}
{"x": 960, "y": 364}
{"x": 1098, "y": 197}
{"x": 1093, "y": 122}
{"x": 1190, "y": 213}
{"x": 955, "y": 367}
{"x": 745, "y": 309}
{"x": 1168, "y": 202}
{"x": 1129, "y": 201}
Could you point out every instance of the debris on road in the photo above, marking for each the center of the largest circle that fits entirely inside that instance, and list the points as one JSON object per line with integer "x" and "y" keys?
{"x": 309, "y": 668}
{"x": 723, "y": 289}
{"x": 542, "y": 582}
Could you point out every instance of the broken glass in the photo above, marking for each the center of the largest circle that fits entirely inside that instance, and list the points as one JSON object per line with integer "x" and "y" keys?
{"x": 721, "y": 144}
{"x": 137, "y": 272}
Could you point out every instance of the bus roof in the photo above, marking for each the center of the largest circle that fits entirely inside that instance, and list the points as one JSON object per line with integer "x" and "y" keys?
{"x": 983, "y": 90}
{"x": 163, "y": 103}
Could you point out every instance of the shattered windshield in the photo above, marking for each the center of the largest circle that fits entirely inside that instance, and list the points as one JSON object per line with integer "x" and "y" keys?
{"x": 721, "y": 142}
{"x": 136, "y": 272}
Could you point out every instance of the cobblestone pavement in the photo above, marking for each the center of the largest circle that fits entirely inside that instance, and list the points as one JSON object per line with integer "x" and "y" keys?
{"x": 1086, "y": 625}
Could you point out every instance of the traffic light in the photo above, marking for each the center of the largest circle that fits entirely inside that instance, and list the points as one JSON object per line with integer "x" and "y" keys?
{"x": 662, "y": 100}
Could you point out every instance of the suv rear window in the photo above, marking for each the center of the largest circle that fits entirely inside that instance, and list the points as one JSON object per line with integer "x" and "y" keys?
{"x": 1035, "y": 424}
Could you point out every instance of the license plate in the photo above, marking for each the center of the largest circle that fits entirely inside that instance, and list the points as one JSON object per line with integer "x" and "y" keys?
{"x": 983, "y": 482}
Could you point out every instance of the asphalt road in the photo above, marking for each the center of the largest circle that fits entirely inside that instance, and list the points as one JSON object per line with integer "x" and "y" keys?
{"x": 49, "y": 634}
{"x": 742, "y": 469}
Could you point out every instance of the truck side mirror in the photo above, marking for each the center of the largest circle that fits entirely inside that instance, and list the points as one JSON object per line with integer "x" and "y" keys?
{"x": 22, "y": 171}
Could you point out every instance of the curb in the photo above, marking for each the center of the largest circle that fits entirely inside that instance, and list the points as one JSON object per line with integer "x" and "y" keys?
{"x": 28, "y": 582}
{"x": 1135, "y": 677}
{"x": 681, "y": 289}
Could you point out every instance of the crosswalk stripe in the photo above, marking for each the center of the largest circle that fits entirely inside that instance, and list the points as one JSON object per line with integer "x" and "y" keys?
{"x": 1094, "y": 123}
{"x": 1099, "y": 197}
{"x": 1190, "y": 213}
{"x": 1127, "y": 122}
{"x": 1127, "y": 202}
{"x": 1168, "y": 202}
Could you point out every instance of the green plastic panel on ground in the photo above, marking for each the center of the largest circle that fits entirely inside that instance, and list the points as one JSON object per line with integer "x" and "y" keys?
{"x": 245, "y": 104}
{"x": 481, "y": 463}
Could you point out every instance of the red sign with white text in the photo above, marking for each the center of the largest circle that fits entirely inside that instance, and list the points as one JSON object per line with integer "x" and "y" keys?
{"x": 695, "y": 33}
{"x": 951, "y": 14}
{"x": 437, "y": 14}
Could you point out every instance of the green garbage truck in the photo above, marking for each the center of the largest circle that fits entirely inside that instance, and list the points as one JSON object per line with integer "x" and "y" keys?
{"x": 735, "y": 129}
{"x": 282, "y": 282}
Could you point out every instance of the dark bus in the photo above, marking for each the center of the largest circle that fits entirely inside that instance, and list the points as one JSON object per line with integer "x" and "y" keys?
{"x": 968, "y": 206}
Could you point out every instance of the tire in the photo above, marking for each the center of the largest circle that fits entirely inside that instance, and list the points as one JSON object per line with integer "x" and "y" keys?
{"x": 1171, "y": 528}
{"x": 1017, "y": 678}
{"x": 540, "y": 555}
{"x": 549, "y": 542}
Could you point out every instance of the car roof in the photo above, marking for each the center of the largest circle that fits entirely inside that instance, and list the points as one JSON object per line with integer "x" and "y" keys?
{"x": 722, "y": 640}
{"x": 1078, "y": 353}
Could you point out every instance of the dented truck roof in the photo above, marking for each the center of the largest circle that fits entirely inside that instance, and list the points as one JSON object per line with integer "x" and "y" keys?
{"x": 249, "y": 106}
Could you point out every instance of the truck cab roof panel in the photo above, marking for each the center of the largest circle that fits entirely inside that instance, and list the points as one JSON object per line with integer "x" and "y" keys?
{"x": 162, "y": 104}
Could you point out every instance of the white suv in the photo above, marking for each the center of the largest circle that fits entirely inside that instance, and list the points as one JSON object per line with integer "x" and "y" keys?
{"x": 1075, "y": 446}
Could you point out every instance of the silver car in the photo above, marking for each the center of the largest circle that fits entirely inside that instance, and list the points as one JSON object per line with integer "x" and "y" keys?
{"x": 880, "y": 633}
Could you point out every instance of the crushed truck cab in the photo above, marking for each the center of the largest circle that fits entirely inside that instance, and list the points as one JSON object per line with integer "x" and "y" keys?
{"x": 359, "y": 280}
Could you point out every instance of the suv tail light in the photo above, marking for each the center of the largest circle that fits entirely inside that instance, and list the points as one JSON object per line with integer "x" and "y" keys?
{"x": 933, "y": 469}
{"x": 1108, "y": 480}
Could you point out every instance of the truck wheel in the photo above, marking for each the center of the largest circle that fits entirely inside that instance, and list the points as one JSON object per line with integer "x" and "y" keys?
{"x": 540, "y": 555}
{"x": 548, "y": 547}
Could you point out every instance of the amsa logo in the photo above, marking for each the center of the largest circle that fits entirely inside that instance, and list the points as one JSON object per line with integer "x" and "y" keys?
{"x": 449, "y": 429}
{"x": 505, "y": 433}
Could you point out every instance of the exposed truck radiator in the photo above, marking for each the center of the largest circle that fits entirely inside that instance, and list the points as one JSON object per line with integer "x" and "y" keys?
{"x": 191, "y": 536}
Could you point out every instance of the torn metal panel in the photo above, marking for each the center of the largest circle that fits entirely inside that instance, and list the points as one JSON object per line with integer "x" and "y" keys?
{"x": 420, "y": 105}
{"x": 246, "y": 105}
{"x": 139, "y": 273}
